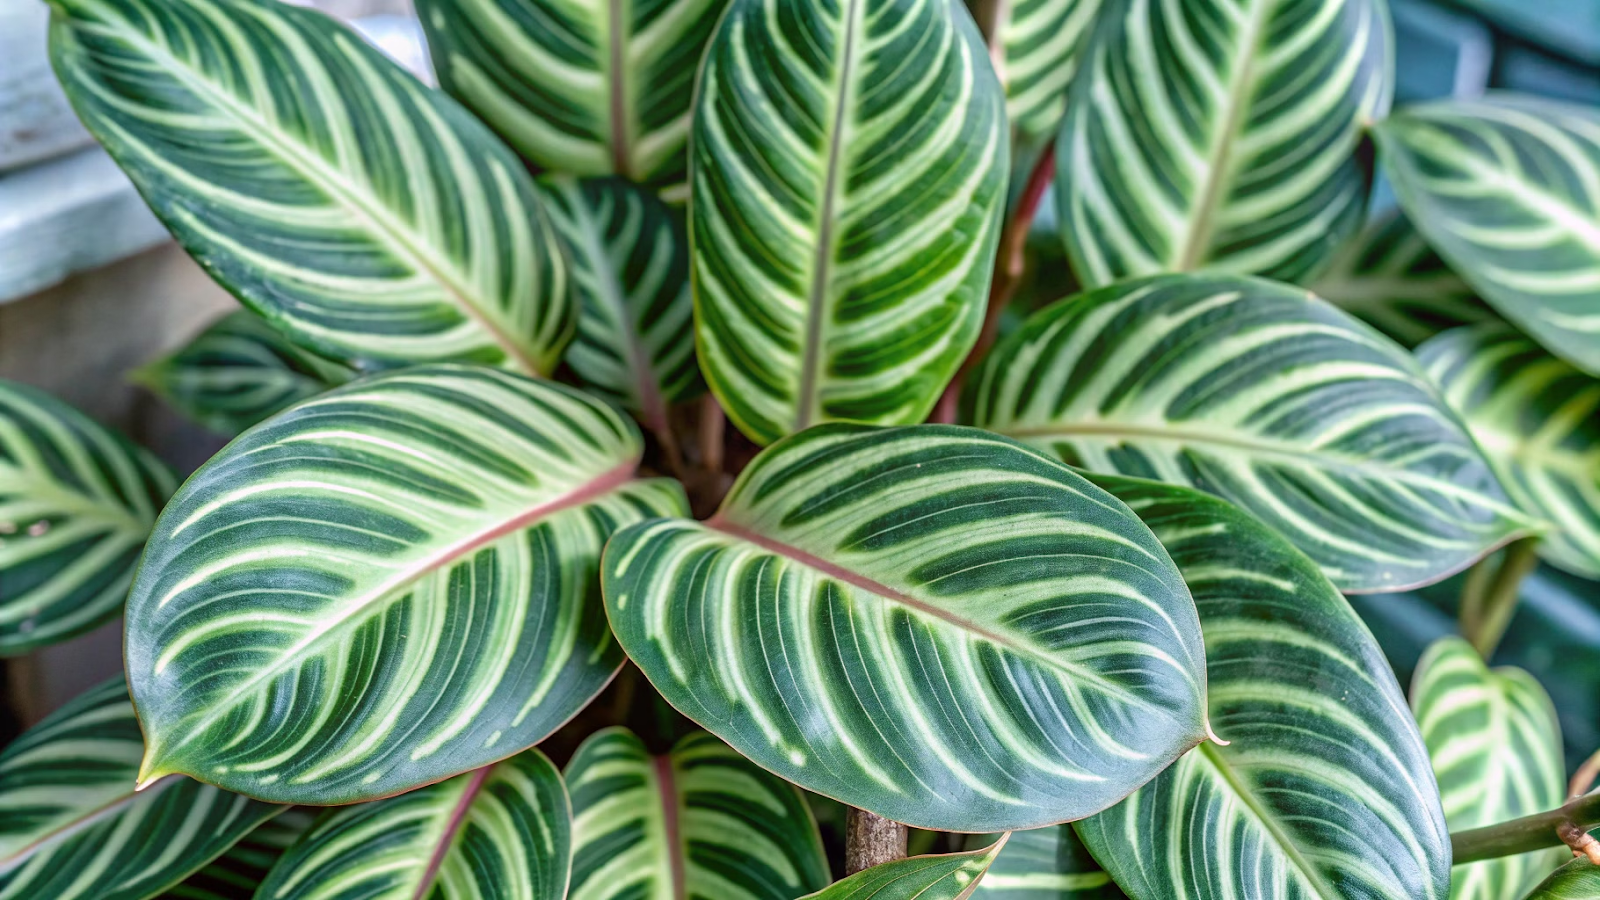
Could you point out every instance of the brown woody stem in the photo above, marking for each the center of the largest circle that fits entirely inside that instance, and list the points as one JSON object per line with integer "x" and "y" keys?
{"x": 870, "y": 840}
{"x": 1535, "y": 832}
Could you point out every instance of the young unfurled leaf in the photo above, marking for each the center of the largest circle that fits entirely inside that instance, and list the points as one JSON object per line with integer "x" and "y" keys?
{"x": 630, "y": 268}
{"x": 238, "y": 372}
{"x": 1538, "y": 421}
{"x": 374, "y": 220}
{"x": 1577, "y": 880}
{"x": 952, "y": 876}
{"x": 590, "y": 87}
{"x": 1388, "y": 276}
{"x": 1508, "y": 190}
{"x": 1043, "y": 864}
{"x": 76, "y": 503}
{"x": 933, "y": 623}
{"x": 503, "y": 832}
{"x": 700, "y": 821}
{"x": 71, "y": 826}
{"x": 1496, "y": 750}
{"x": 397, "y": 578}
{"x": 1324, "y": 790}
{"x": 846, "y": 205}
{"x": 1220, "y": 134}
{"x": 1268, "y": 397}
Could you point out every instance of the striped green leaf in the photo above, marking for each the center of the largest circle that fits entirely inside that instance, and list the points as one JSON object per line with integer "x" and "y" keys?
{"x": 700, "y": 822}
{"x": 502, "y": 832}
{"x": 1538, "y": 421}
{"x": 593, "y": 87}
{"x": 1577, "y": 880}
{"x": 845, "y": 210}
{"x": 1324, "y": 791}
{"x": 1496, "y": 749}
{"x": 1034, "y": 45}
{"x": 1389, "y": 276}
{"x": 387, "y": 585}
{"x": 867, "y": 617}
{"x": 1044, "y": 864}
{"x": 71, "y": 826}
{"x": 1267, "y": 397}
{"x": 952, "y": 876}
{"x": 76, "y": 503}
{"x": 630, "y": 269}
{"x": 1507, "y": 189}
{"x": 238, "y": 372}
{"x": 1220, "y": 134}
{"x": 235, "y": 875}
{"x": 374, "y": 220}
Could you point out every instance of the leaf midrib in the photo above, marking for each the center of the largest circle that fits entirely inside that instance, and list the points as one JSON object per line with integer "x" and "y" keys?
{"x": 331, "y": 179}
{"x": 1221, "y": 150}
{"x": 353, "y": 613}
{"x": 617, "y": 101}
{"x": 1189, "y": 435}
{"x": 831, "y": 569}
{"x": 1210, "y": 753}
{"x": 671, "y": 823}
{"x": 807, "y": 406}
{"x": 64, "y": 830}
{"x": 452, "y": 829}
{"x": 613, "y": 295}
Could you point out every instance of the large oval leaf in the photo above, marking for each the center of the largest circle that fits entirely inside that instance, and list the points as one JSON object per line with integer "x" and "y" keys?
{"x": 591, "y": 87}
{"x": 1388, "y": 276}
{"x": 1496, "y": 750}
{"x": 870, "y": 616}
{"x": 235, "y": 875}
{"x": 1538, "y": 421}
{"x": 701, "y": 821}
{"x": 1577, "y": 880}
{"x": 238, "y": 372}
{"x": 1034, "y": 45}
{"x": 1324, "y": 791}
{"x": 1220, "y": 134}
{"x": 384, "y": 586}
{"x": 1044, "y": 864}
{"x": 952, "y": 876}
{"x": 503, "y": 832}
{"x": 1263, "y": 395}
{"x": 1508, "y": 190}
{"x": 76, "y": 502}
{"x": 71, "y": 826}
{"x": 845, "y": 208}
{"x": 374, "y": 220}
{"x": 630, "y": 268}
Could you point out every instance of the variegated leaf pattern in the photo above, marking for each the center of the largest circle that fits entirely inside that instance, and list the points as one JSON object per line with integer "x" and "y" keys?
{"x": 1220, "y": 134}
{"x": 384, "y": 586}
{"x": 1034, "y": 45}
{"x": 866, "y": 616}
{"x": 502, "y": 832}
{"x": 1577, "y": 880}
{"x": 593, "y": 87}
{"x": 71, "y": 826}
{"x": 1388, "y": 276}
{"x": 374, "y": 220}
{"x": 237, "y": 372}
{"x": 698, "y": 823}
{"x": 630, "y": 268}
{"x": 235, "y": 875}
{"x": 1266, "y": 396}
{"x": 1043, "y": 864}
{"x": 845, "y": 208}
{"x": 1508, "y": 190}
{"x": 1538, "y": 421}
{"x": 1324, "y": 791}
{"x": 76, "y": 503}
{"x": 1496, "y": 749}
{"x": 952, "y": 876}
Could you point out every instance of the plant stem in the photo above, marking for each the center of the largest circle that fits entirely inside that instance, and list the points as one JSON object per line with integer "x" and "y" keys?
{"x": 1487, "y": 603}
{"x": 870, "y": 840}
{"x": 1535, "y": 832}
